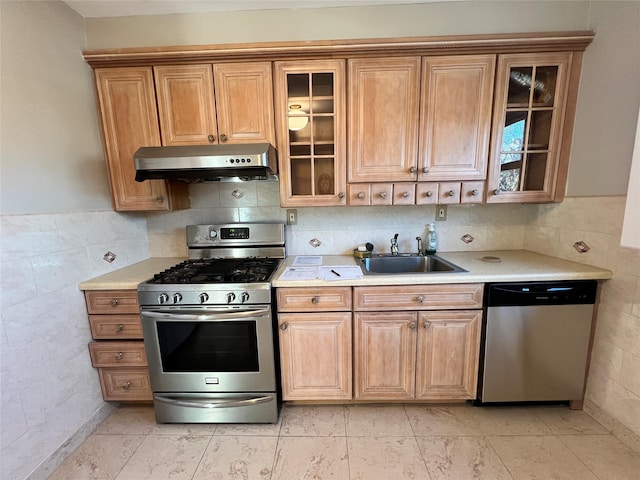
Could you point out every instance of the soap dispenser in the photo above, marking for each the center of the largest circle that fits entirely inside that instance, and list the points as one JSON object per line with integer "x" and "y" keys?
{"x": 432, "y": 240}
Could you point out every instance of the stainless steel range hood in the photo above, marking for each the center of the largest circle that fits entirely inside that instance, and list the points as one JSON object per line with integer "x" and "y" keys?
{"x": 207, "y": 163}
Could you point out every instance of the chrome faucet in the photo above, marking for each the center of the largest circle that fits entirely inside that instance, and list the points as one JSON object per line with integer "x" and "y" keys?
{"x": 394, "y": 245}
{"x": 420, "y": 251}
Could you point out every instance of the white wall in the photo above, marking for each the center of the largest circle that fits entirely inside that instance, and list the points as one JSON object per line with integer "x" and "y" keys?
{"x": 51, "y": 150}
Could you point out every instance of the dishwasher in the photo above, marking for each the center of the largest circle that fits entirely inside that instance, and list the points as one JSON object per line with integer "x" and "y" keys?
{"x": 535, "y": 341}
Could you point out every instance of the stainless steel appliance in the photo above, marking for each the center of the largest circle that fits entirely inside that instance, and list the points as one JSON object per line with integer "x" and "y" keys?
{"x": 207, "y": 163}
{"x": 208, "y": 327}
{"x": 536, "y": 341}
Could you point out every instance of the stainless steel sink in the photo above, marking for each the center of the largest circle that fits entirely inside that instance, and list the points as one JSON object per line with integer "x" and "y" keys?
{"x": 386, "y": 264}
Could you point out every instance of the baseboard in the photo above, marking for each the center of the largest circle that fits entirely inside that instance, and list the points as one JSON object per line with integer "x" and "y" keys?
{"x": 623, "y": 433}
{"x": 50, "y": 464}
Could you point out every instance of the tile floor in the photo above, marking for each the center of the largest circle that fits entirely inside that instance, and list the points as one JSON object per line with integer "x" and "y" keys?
{"x": 358, "y": 442}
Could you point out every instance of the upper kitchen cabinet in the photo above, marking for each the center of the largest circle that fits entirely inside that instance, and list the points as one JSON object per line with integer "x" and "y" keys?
{"x": 238, "y": 110}
{"x": 533, "y": 119}
{"x": 455, "y": 117}
{"x": 310, "y": 108}
{"x": 129, "y": 121}
{"x": 384, "y": 96}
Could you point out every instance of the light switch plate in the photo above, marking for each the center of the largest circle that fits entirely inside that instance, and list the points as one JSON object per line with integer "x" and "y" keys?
{"x": 441, "y": 213}
{"x": 292, "y": 216}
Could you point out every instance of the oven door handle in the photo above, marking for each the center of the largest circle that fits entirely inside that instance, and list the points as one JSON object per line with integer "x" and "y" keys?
{"x": 208, "y": 403}
{"x": 206, "y": 317}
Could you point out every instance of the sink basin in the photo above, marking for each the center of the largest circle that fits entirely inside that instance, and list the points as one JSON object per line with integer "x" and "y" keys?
{"x": 407, "y": 263}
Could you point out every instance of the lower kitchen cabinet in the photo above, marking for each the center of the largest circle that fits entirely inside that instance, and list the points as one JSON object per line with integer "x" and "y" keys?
{"x": 385, "y": 355}
{"x": 447, "y": 354}
{"x": 315, "y": 353}
{"x": 118, "y": 350}
{"x": 417, "y": 355}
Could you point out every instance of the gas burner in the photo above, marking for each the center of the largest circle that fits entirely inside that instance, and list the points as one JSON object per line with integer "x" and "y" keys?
{"x": 203, "y": 271}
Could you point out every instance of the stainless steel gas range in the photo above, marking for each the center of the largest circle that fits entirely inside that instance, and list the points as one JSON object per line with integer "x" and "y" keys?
{"x": 208, "y": 327}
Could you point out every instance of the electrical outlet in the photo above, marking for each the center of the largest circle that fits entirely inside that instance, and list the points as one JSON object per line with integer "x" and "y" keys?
{"x": 441, "y": 213}
{"x": 292, "y": 216}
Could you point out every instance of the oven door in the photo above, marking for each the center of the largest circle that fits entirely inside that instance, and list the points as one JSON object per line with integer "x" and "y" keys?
{"x": 209, "y": 349}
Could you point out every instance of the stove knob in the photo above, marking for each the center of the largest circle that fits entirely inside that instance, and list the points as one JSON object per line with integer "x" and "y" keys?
{"x": 177, "y": 298}
{"x": 231, "y": 297}
{"x": 244, "y": 297}
{"x": 163, "y": 298}
{"x": 204, "y": 297}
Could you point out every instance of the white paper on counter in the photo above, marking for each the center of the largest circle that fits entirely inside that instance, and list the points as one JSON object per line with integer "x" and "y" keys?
{"x": 307, "y": 260}
{"x": 339, "y": 272}
{"x": 299, "y": 273}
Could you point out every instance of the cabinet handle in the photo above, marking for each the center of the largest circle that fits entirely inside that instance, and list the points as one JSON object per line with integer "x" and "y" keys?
{"x": 159, "y": 199}
{"x": 315, "y": 300}
{"x": 341, "y": 195}
{"x": 383, "y": 194}
{"x": 426, "y": 324}
{"x": 425, "y": 169}
{"x": 119, "y": 327}
{"x": 475, "y": 192}
{"x": 412, "y": 170}
{"x": 405, "y": 194}
{"x": 412, "y": 325}
{"x": 284, "y": 326}
{"x": 429, "y": 193}
{"x": 114, "y": 302}
{"x": 211, "y": 138}
{"x": 496, "y": 191}
{"x": 360, "y": 194}
{"x": 223, "y": 138}
{"x": 126, "y": 386}
{"x": 420, "y": 299}
{"x": 119, "y": 356}
{"x": 451, "y": 193}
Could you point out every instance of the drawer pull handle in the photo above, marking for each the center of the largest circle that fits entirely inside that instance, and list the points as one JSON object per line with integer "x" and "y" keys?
{"x": 360, "y": 194}
{"x": 211, "y": 138}
{"x": 412, "y": 325}
{"x": 126, "y": 386}
{"x": 114, "y": 302}
{"x": 429, "y": 193}
{"x": 420, "y": 299}
{"x": 284, "y": 326}
{"x": 315, "y": 300}
{"x": 119, "y": 327}
{"x": 412, "y": 169}
{"x": 451, "y": 193}
{"x": 119, "y": 356}
{"x": 475, "y": 192}
{"x": 383, "y": 194}
{"x": 426, "y": 324}
{"x": 405, "y": 194}
{"x": 223, "y": 138}
{"x": 425, "y": 169}
{"x": 341, "y": 195}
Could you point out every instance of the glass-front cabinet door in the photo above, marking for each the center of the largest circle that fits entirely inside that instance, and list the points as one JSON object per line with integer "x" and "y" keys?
{"x": 529, "y": 112}
{"x": 310, "y": 111}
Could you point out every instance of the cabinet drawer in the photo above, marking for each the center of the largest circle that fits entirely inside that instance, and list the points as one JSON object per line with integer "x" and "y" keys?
{"x": 125, "y": 384}
{"x": 105, "y": 327}
{"x": 314, "y": 299}
{"x": 118, "y": 354}
{"x": 112, "y": 301}
{"x": 419, "y": 297}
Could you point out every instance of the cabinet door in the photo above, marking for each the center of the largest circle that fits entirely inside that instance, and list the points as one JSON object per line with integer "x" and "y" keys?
{"x": 385, "y": 354}
{"x": 310, "y": 111}
{"x": 186, "y": 104}
{"x": 447, "y": 357}
{"x": 455, "y": 117}
{"x": 244, "y": 102}
{"x": 129, "y": 121}
{"x": 383, "y": 119}
{"x": 529, "y": 119}
{"x": 315, "y": 354}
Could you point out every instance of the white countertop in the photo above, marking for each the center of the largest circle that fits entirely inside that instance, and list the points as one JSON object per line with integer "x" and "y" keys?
{"x": 128, "y": 278}
{"x": 515, "y": 266}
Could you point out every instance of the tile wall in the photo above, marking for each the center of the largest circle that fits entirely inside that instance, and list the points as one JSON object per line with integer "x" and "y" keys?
{"x": 49, "y": 388}
{"x": 613, "y": 389}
